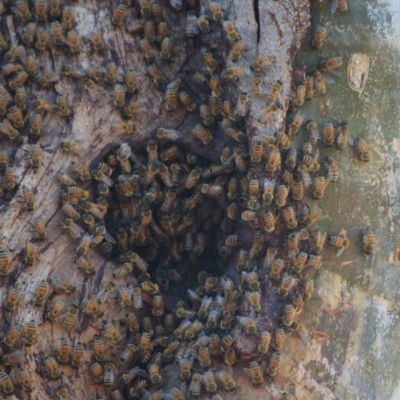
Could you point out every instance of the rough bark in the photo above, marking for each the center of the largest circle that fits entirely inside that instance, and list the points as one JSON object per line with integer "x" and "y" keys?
{"x": 282, "y": 25}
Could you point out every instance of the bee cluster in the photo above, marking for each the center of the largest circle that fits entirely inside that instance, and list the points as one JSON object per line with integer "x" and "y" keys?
{"x": 208, "y": 245}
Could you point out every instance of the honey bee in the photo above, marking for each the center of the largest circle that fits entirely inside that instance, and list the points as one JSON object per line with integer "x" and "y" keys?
{"x": 195, "y": 384}
{"x": 29, "y": 199}
{"x": 20, "y": 98}
{"x": 98, "y": 373}
{"x": 319, "y": 37}
{"x": 42, "y": 39}
{"x": 290, "y": 218}
{"x": 83, "y": 172}
{"x": 300, "y": 96}
{"x": 274, "y": 364}
{"x": 230, "y": 30}
{"x": 70, "y": 317}
{"x": 130, "y": 81}
{"x": 29, "y": 33}
{"x": 282, "y": 195}
{"x": 10, "y": 68}
{"x": 209, "y": 61}
{"x": 273, "y": 95}
{"x": 99, "y": 350}
{"x": 12, "y": 300}
{"x": 313, "y": 215}
{"x": 299, "y": 262}
{"x": 204, "y": 24}
{"x": 6, "y": 383}
{"x": 290, "y": 313}
{"x": 22, "y": 9}
{"x": 36, "y": 127}
{"x": 77, "y": 355}
{"x": 256, "y": 86}
{"x": 209, "y": 381}
{"x": 165, "y": 49}
{"x": 119, "y": 14}
{"x": 123, "y": 154}
{"x": 237, "y": 50}
{"x": 286, "y": 286}
{"x": 242, "y": 105}
{"x": 273, "y": 160}
{"x": 93, "y": 90}
{"x": 260, "y": 63}
{"x": 4, "y": 263}
{"x": 61, "y": 286}
{"x": 155, "y": 377}
{"x": 126, "y": 356}
{"x": 328, "y": 135}
{"x": 233, "y": 72}
{"x": 344, "y": 137}
{"x": 9, "y": 178}
{"x": 149, "y": 31}
{"x": 16, "y": 117}
{"x": 333, "y": 169}
{"x": 42, "y": 104}
{"x": 256, "y": 372}
{"x": 63, "y": 351}
{"x": 187, "y": 101}
{"x": 254, "y": 299}
{"x": 283, "y": 140}
{"x": 192, "y": 24}
{"x": 47, "y": 78}
{"x": 18, "y": 80}
{"x": 363, "y": 151}
{"x": 331, "y": 63}
{"x": 341, "y": 241}
{"x": 298, "y": 190}
{"x": 216, "y": 11}
{"x": 30, "y": 333}
{"x": 112, "y": 332}
{"x": 156, "y": 74}
{"x": 249, "y": 325}
{"x": 319, "y": 239}
{"x": 63, "y": 108}
{"x": 12, "y": 336}
{"x": 84, "y": 264}
{"x": 56, "y": 310}
{"x": 308, "y": 289}
{"x": 25, "y": 380}
{"x": 42, "y": 291}
{"x": 109, "y": 374}
{"x": 265, "y": 341}
{"x": 147, "y": 49}
{"x": 52, "y": 367}
{"x": 296, "y": 124}
{"x": 7, "y": 129}
{"x": 368, "y": 241}
{"x": 276, "y": 269}
{"x": 202, "y": 134}
{"x": 97, "y": 41}
{"x": 227, "y": 380}
{"x": 74, "y": 229}
{"x": 340, "y": 5}
{"x": 145, "y": 8}
{"x": 119, "y": 96}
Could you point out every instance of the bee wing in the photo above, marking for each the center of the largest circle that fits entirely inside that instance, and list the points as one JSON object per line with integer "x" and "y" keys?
{"x": 109, "y": 375}
{"x": 177, "y": 4}
{"x": 183, "y": 387}
{"x": 334, "y": 72}
{"x": 340, "y": 251}
{"x": 167, "y": 396}
{"x": 263, "y": 365}
{"x": 334, "y": 6}
{"x": 146, "y": 395}
{"x": 330, "y": 81}
{"x": 350, "y": 139}
{"x": 109, "y": 238}
{"x": 247, "y": 371}
{"x": 231, "y": 396}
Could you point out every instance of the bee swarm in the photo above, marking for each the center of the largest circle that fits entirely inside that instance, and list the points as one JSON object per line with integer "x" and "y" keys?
{"x": 181, "y": 231}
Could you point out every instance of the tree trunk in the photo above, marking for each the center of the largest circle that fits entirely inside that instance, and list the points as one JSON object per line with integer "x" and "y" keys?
{"x": 267, "y": 27}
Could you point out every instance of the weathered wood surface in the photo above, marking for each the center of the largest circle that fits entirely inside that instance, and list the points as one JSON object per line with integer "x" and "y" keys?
{"x": 282, "y": 26}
